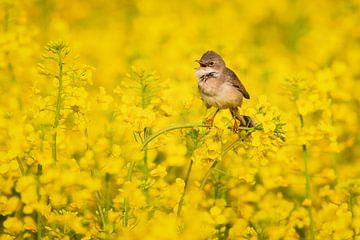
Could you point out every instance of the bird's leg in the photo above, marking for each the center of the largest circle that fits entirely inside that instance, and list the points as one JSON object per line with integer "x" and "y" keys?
{"x": 210, "y": 120}
{"x": 235, "y": 127}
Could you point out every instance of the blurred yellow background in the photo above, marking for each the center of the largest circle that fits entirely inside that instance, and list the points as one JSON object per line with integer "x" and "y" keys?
{"x": 130, "y": 73}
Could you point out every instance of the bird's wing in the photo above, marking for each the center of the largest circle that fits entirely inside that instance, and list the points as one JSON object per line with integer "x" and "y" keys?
{"x": 234, "y": 80}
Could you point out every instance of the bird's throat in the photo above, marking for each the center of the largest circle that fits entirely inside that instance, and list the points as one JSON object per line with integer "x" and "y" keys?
{"x": 205, "y": 73}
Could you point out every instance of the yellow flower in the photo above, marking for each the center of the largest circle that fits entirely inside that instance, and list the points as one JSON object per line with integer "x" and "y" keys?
{"x": 13, "y": 225}
{"x": 71, "y": 140}
{"x": 159, "y": 171}
{"x": 26, "y": 186}
{"x": 299, "y": 218}
{"x": 104, "y": 100}
{"x": 8, "y": 205}
{"x": 29, "y": 224}
{"x": 307, "y": 202}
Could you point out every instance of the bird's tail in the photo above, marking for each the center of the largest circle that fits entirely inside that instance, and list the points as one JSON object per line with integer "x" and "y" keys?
{"x": 245, "y": 121}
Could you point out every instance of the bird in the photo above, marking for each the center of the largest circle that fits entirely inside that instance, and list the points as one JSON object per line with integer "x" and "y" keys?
{"x": 220, "y": 87}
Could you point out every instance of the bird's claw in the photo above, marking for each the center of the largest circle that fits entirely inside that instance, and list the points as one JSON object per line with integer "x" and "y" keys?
{"x": 235, "y": 127}
{"x": 209, "y": 122}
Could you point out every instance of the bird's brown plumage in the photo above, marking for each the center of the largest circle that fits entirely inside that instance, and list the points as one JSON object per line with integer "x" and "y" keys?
{"x": 231, "y": 77}
{"x": 220, "y": 87}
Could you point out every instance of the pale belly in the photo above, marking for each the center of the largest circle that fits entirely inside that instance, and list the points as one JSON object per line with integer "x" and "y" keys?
{"x": 220, "y": 96}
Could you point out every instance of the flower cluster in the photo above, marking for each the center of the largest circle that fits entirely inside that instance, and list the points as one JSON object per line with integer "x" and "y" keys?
{"x": 117, "y": 148}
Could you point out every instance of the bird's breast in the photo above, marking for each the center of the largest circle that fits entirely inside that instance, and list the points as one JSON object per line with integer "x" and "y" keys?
{"x": 208, "y": 86}
{"x": 218, "y": 93}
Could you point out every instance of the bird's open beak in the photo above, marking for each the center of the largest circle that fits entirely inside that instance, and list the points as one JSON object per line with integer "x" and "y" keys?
{"x": 202, "y": 64}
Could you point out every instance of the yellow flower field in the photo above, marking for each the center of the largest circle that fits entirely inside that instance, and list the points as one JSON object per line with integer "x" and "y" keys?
{"x": 103, "y": 134}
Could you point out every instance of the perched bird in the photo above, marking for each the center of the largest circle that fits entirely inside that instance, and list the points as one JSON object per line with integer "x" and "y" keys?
{"x": 220, "y": 87}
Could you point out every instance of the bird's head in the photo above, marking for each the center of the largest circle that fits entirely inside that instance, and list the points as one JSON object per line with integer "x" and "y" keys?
{"x": 211, "y": 59}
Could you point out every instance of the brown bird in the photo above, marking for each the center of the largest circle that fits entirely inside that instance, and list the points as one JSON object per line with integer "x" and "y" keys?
{"x": 220, "y": 87}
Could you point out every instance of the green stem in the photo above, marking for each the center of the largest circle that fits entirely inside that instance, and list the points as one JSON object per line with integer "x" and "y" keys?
{"x": 39, "y": 173}
{"x": 126, "y": 199}
{"x": 146, "y": 168}
{"x": 207, "y": 174}
{"x": 57, "y": 111}
{"x": 38, "y": 215}
{"x": 126, "y": 212}
{"x": 231, "y": 146}
{"x": 6, "y": 21}
{"x": 11, "y": 71}
{"x": 307, "y": 182}
{"x": 86, "y": 133}
{"x": 335, "y": 155}
{"x": 352, "y": 202}
{"x": 130, "y": 171}
{"x": 181, "y": 126}
{"x": 107, "y": 194}
{"x": 21, "y": 166}
{"x": 103, "y": 221}
{"x": 216, "y": 187}
{"x": 185, "y": 187}
{"x": 168, "y": 129}
{"x": 223, "y": 152}
{"x": 129, "y": 177}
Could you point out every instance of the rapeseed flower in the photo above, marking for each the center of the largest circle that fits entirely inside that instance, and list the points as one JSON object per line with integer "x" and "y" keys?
{"x": 102, "y": 132}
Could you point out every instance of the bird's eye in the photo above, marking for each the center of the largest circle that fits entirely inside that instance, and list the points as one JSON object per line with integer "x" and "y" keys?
{"x": 211, "y": 63}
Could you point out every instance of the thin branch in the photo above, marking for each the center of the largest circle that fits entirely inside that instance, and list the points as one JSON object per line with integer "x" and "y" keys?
{"x": 171, "y": 128}
{"x": 185, "y": 187}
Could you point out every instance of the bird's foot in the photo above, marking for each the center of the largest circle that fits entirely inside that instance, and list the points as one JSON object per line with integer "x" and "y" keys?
{"x": 235, "y": 127}
{"x": 209, "y": 121}
{"x": 249, "y": 122}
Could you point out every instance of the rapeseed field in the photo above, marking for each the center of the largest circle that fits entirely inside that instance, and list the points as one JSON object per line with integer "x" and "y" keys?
{"x": 103, "y": 133}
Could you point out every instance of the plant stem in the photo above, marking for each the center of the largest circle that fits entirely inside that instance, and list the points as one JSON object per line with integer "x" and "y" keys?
{"x": 103, "y": 221}
{"x": 21, "y": 166}
{"x": 146, "y": 168}
{"x": 86, "y": 133}
{"x": 12, "y": 72}
{"x": 58, "y": 107}
{"x": 38, "y": 184}
{"x": 126, "y": 211}
{"x": 181, "y": 126}
{"x": 335, "y": 155}
{"x": 128, "y": 179}
{"x": 307, "y": 181}
{"x": 107, "y": 194}
{"x": 126, "y": 199}
{"x": 207, "y": 174}
{"x": 130, "y": 171}
{"x": 352, "y": 202}
{"x": 38, "y": 215}
{"x": 213, "y": 165}
{"x": 168, "y": 129}
{"x": 145, "y": 149}
{"x": 185, "y": 187}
